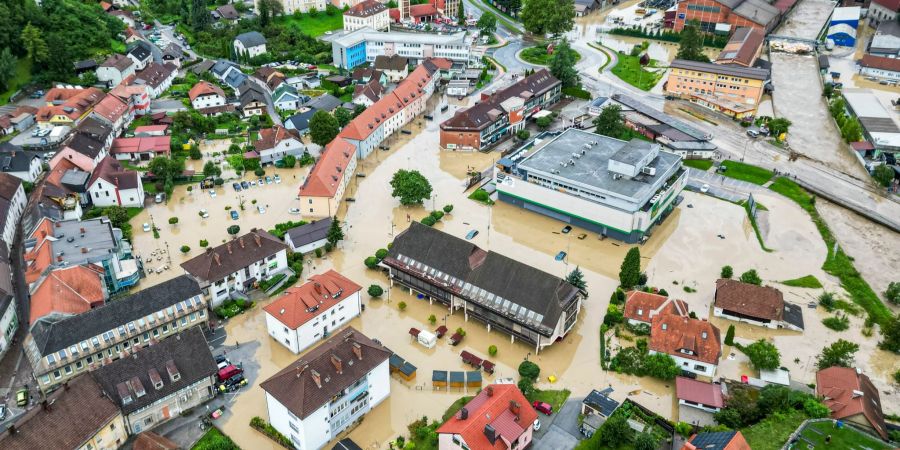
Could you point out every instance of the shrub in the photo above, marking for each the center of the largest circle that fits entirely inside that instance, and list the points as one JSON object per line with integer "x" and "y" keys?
{"x": 815, "y": 409}
{"x": 371, "y": 262}
{"x": 259, "y": 172}
{"x": 729, "y": 335}
{"x": 460, "y": 331}
{"x": 751, "y": 277}
{"x": 827, "y": 301}
{"x": 492, "y": 350}
{"x": 318, "y": 252}
{"x": 663, "y": 292}
{"x": 684, "y": 429}
{"x": 837, "y": 323}
{"x": 727, "y": 272}
{"x": 529, "y": 370}
{"x": 234, "y": 229}
{"x": 375, "y": 291}
{"x": 432, "y": 319}
{"x": 185, "y": 249}
{"x": 381, "y": 253}
{"x": 218, "y": 181}
{"x": 428, "y": 221}
{"x": 448, "y": 208}
{"x": 402, "y": 306}
{"x": 480, "y": 195}
{"x": 437, "y": 215}
{"x": 204, "y": 243}
{"x": 173, "y": 220}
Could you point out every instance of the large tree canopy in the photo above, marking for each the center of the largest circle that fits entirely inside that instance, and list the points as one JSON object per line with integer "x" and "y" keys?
{"x": 548, "y": 16}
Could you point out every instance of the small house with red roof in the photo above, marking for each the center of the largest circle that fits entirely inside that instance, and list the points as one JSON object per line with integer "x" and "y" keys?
{"x": 207, "y": 98}
{"x": 498, "y": 418}
{"x": 277, "y": 142}
{"x": 113, "y": 185}
{"x": 114, "y": 111}
{"x": 138, "y": 149}
{"x": 306, "y": 314}
{"x": 851, "y": 397}
{"x": 699, "y": 394}
{"x": 695, "y": 344}
{"x": 641, "y": 307}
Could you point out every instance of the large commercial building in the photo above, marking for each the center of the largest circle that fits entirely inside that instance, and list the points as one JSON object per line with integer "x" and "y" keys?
{"x": 501, "y": 114}
{"x": 503, "y": 293}
{"x": 611, "y": 187}
{"x": 352, "y": 48}
{"x": 727, "y": 88}
{"x": 724, "y": 15}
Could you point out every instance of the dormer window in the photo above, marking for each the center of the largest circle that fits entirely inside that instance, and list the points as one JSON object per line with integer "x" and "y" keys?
{"x": 640, "y": 312}
{"x": 665, "y": 327}
{"x": 703, "y": 335}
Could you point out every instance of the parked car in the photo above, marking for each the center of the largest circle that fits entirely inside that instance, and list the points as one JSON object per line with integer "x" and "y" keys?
{"x": 146, "y": 226}
{"x": 2, "y": 412}
{"x": 543, "y": 407}
{"x": 566, "y": 229}
{"x": 294, "y": 211}
{"x": 471, "y": 235}
{"x": 212, "y": 193}
{"x": 752, "y": 133}
{"x": 704, "y": 189}
{"x": 277, "y": 179}
{"x": 560, "y": 256}
{"x": 236, "y": 186}
{"x": 159, "y": 198}
{"x": 268, "y": 179}
{"x": 234, "y": 215}
{"x": 536, "y": 425}
{"x": 228, "y": 372}
{"x": 245, "y": 185}
{"x": 261, "y": 209}
{"x": 204, "y": 213}
{"x": 259, "y": 182}
{"x": 22, "y": 398}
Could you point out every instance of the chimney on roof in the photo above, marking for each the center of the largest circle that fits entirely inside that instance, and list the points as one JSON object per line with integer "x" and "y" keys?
{"x": 59, "y": 258}
{"x": 357, "y": 350}
{"x": 84, "y": 250}
{"x": 463, "y": 413}
{"x": 241, "y": 242}
{"x": 490, "y": 433}
{"x": 489, "y": 391}
{"x": 228, "y": 247}
{"x": 258, "y": 240}
{"x": 317, "y": 378}
{"x": 217, "y": 259}
{"x": 514, "y": 408}
{"x": 338, "y": 364}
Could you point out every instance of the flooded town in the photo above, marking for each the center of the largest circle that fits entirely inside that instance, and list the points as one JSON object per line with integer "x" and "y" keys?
{"x": 455, "y": 224}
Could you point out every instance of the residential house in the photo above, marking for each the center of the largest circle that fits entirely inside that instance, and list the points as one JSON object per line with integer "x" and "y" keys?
{"x": 21, "y": 164}
{"x": 250, "y": 44}
{"x": 67, "y": 291}
{"x": 202, "y": 67}
{"x": 132, "y": 36}
{"x": 882, "y": 11}
{"x": 53, "y": 201}
{"x": 501, "y": 292}
{"x": 150, "y": 130}
{"x": 87, "y": 146}
{"x": 252, "y": 99}
{"x": 114, "y": 111}
{"x": 277, "y": 142}
{"x": 695, "y": 344}
{"x": 78, "y": 416}
{"x": 54, "y": 244}
{"x": 500, "y": 114}
{"x": 125, "y": 16}
{"x": 367, "y": 13}
{"x": 226, "y": 12}
{"x": 307, "y": 238}
{"x": 307, "y": 314}
{"x": 209, "y": 99}
{"x": 19, "y": 119}
{"x": 173, "y": 54}
{"x": 395, "y": 67}
{"x": 852, "y": 398}
{"x": 325, "y": 102}
{"x": 369, "y": 93}
{"x": 85, "y": 66}
{"x": 157, "y": 77}
{"x": 599, "y": 403}
{"x": 698, "y": 400}
{"x": 63, "y": 349}
{"x": 9, "y": 317}
{"x": 584, "y": 7}
{"x": 234, "y": 267}
{"x": 328, "y": 389}
{"x": 162, "y": 380}
{"x": 141, "y": 149}
{"x": 137, "y": 95}
{"x": 228, "y": 73}
{"x": 141, "y": 54}
{"x": 728, "y": 88}
{"x": 299, "y": 122}
{"x": 499, "y": 417}
{"x": 886, "y": 41}
{"x": 270, "y": 77}
{"x": 362, "y": 75}
{"x": 67, "y": 106}
{"x": 723, "y": 15}
{"x": 290, "y": 6}
{"x": 880, "y": 67}
{"x": 762, "y": 306}
{"x": 641, "y": 307}
{"x": 286, "y": 98}
{"x": 743, "y": 48}
{"x": 12, "y": 204}
{"x": 115, "y": 69}
{"x": 717, "y": 440}
{"x": 113, "y": 185}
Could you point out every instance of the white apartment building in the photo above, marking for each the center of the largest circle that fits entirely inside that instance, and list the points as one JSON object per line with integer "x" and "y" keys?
{"x": 352, "y": 48}
{"x": 303, "y": 5}
{"x": 12, "y": 203}
{"x": 369, "y": 13}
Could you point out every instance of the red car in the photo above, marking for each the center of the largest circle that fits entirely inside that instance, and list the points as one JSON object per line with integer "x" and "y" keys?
{"x": 228, "y": 372}
{"x": 543, "y": 407}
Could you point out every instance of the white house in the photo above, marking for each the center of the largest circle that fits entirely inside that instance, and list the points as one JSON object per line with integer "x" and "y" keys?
{"x": 250, "y": 44}
{"x": 113, "y": 185}
{"x": 329, "y": 389}
{"x": 277, "y": 142}
{"x": 307, "y": 314}
{"x": 286, "y": 98}
{"x": 307, "y": 238}
{"x": 156, "y": 77}
{"x": 21, "y": 164}
{"x": 303, "y": 5}
{"x": 233, "y": 268}
{"x": 206, "y": 95}
{"x": 694, "y": 344}
{"x": 115, "y": 69}
{"x": 699, "y": 394}
{"x": 12, "y": 203}
{"x": 141, "y": 54}
{"x": 9, "y": 322}
{"x": 368, "y": 13}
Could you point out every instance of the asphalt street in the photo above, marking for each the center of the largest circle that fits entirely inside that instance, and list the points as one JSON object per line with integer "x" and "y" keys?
{"x": 560, "y": 431}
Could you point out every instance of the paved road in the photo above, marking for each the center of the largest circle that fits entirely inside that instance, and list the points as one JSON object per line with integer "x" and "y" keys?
{"x": 560, "y": 431}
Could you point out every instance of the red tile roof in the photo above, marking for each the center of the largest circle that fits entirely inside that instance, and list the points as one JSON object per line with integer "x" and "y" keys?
{"x": 893, "y": 5}
{"x": 642, "y": 306}
{"x": 862, "y": 146}
{"x": 151, "y": 129}
{"x": 848, "y": 393}
{"x": 112, "y": 171}
{"x": 72, "y": 290}
{"x": 270, "y": 137}
{"x": 155, "y": 144}
{"x": 301, "y": 304}
{"x": 325, "y": 177}
{"x": 761, "y": 302}
{"x": 708, "y": 394}
{"x": 41, "y": 255}
{"x": 880, "y": 62}
{"x": 492, "y": 406}
{"x": 366, "y": 8}
{"x": 395, "y": 14}
{"x": 111, "y": 108}
{"x": 421, "y": 10}
{"x": 717, "y": 440}
{"x": 672, "y": 334}
{"x": 72, "y": 103}
{"x": 205, "y": 88}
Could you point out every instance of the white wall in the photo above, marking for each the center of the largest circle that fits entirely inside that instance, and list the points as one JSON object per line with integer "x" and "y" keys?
{"x": 312, "y": 332}
{"x": 9, "y": 323}
{"x": 705, "y": 369}
{"x": 379, "y": 384}
{"x": 219, "y": 292}
{"x": 17, "y": 205}
{"x": 718, "y": 312}
{"x": 207, "y": 101}
{"x": 311, "y": 247}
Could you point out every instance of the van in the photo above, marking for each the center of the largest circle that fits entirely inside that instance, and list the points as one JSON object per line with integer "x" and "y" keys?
{"x": 427, "y": 339}
{"x": 228, "y": 372}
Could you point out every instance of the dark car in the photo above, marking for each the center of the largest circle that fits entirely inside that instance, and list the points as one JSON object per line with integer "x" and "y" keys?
{"x": 245, "y": 185}
{"x": 236, "y": 186}
{"x": 566, "y": 229}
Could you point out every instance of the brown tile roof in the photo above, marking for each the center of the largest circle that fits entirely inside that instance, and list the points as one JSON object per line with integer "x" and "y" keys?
{"x": 112, "y": 171}
{"x": 893, "y": 5}
{"x": 325, "y": 371}
{"x": 223, "y": 260}
{"x": 155, "y": 74}
{"x": 394, "y": 62}
{"x": 111, "y": 108}
{"x": 366, "y": 8}
{"x": 672, "y": 334}
{"x": 326, "y": 175}
{"x": 847, "y": 393}
{"x": 762, "y": 302}
{"x": 228, "y": 12}
{"x": 301, "y": 304}
{"x": 500, "y": 405}
{"x": 72, "y": 290}
{"x": 372, "y": 90}
{"x": 743, "y": 46}
{"x": 484, "y": 113}
{"x": 9, "y": 185}
{"x": 149, "y": 440}
{"x": 205, "y": 88}
{"x": 642, "y": 306}
{"x": 709, "y": 394}
{"x": 117, "y": 61}
{"x": 77, "y": 412}
{"x": 270, "y": 137}
{"x": 880, "y": 62}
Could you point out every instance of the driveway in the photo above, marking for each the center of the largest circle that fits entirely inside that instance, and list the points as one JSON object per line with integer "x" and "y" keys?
{"x": 560, "y": 431}
{"x": 720, "y": 186}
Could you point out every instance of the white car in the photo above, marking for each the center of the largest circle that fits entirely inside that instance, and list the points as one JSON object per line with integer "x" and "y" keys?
{"x": 261, "y": 209}
{"x": 537, "y": 424}
{"x": 704, "y": 189}
{"x": 212, "y": 193}
{"x": 146, "y": 226}
{"x": 277, "y": 179}
{"x": 294, "y": 211}
{"x": 204, "y": 213}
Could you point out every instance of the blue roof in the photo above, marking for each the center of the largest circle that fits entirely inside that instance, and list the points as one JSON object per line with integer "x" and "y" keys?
{"x": 713, "y": 441}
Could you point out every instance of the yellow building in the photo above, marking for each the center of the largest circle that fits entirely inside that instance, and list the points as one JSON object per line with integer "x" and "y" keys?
{"x": 731, "y": 89}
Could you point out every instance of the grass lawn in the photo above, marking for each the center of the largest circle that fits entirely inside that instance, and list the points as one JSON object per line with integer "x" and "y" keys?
{"x": 629, "y": 69}
{"x": 755, "y": 225}
{"x": 808, "y": 281}
{"x": 843, "y": 438}
{"x": 555, "y": 398}
{"x": 702, "y": 164}
{"x": 21, "y": 77}
{"x": 746, "y": 172}
{"x": 314, "y": 26}
{"x": 538, "y": 55}
{"x": 773, "y": 431}
{"x": 214, "y": 439}
{"x": 456, "y": 406}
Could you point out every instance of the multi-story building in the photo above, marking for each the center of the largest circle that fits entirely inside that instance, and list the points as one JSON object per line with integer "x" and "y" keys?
{"x": 12, "y": 204}
{"x": 277, "y": 142}
{"x": 9, "y": 317}
{"x": 115, "y": 69}
{"x": 743, "y": 48}
{"x": 207, "y": 98}
{"x": 77, "y": 417}
{"x": 303, "y": 5}
{"x": 883, "y": 11}
{"x": 880, "y": 67}
{"x": 886, "y": 41}
{"x": 67, "y": 291}
{"x": 503, "y": 293}
{"x": 498, "y": 418}
{"x": 309, "y": 313}
{"x": 252, "y": 99}
{"x": 694, "y": 344}
{"x": 352, "y": 48}
{"x": 114, "y": 111}
{"x": 727, "y": 88}
{"x": 394, "y": 67}
{"x": 723, "y": 15}
{"x": 328, "y": 389}
{"x": 234, "y": 267}
{"x": 762, "y": 306}
{"x": 501, "y": 114}
{"x": 250, "y": 44}
{"x": 368, "y": 13}
{"x": 142, "y": 55}
{"x": 611, "y": 187}
{"x": 21, "y": 164}
{"x": 157, "y": 78}
{"x": 162, "y": 380}
{"x": 113, "y": 185}
{"x": 62, "y": 349}
{"x": 67, "y": 106}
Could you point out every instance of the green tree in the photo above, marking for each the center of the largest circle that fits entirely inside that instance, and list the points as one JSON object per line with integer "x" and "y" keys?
{"x": 35, "y": 46}
{"x": 289, "y": 161}
{"x": 371, "y": 262}
{"x": 630, "y": 271}
{"x": 751, "y": 277}
{"x": 7, "y": 68}
{"x": 492, "y": 350}
{"x": 233, "y": 230}
{"x": 562, "y": 64}
{"x": 883, "y": 174}
{"x": 343, "y": 116}
{"x": 410, "y": 186}
{"x": 375, "y": 291}
{"x": 645, "y": 441}
{"x": 690, "y": 45}
{"x": 173, "y": 220}
{"x": 529, "y": 370}
{"x": 460, "y": 13}
{"x": 779, "y": 126}
{"x": 890, "y": 333}
{"x": 576, "y": 278}
{"x": 662, "y": 366}
{"x": 487, "y": 23}
{"x": 727, "y": 272}
{"x": 544, "y": 122}
{"x": 851, "y": 131}
{"x": 262, "y": 9}
{"x": 118, "y": 216}
{"x": 323, "y": 127}
{"x": 892, "y": 293}
{"x": 210, "y": 169}
{"x": 729, "y": 335}
{"x": 523, "y": 135}
{"x": 358, "y": 110}
{"x": 541, "y": 17}
{"x": 335, "y": 233}
{"x": 763, "y": 355}
{"x": 610, "y": 122}
{"x": 195, "y": 153}
{"x": 200, "y": 17}
{"x": 840, "y": 354}
{"x": 615, "y": 432}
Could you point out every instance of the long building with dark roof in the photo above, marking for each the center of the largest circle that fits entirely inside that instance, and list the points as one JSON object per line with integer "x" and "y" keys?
{"x": 503, "y": 293}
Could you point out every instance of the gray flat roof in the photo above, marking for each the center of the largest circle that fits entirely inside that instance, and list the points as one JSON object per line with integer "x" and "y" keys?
{"x": 96, "y": 243}
{"x": 661, "y": 117}
{"x": 350, "y": 38}
{"x": 722, "y": 69}
{"x": 632, "y": 152}
{"x": 591, "y": 169}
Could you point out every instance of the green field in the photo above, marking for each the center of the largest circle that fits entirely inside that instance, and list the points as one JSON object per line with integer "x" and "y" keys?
{"x": 314, "y": 26}
{"x": 746, "y": 172}
{"x": 23, "y": 74}
{"x": 555, "y": 398}
{"x": 845, "y": 438}
{"x": 629, "y": 69}
{"x": 214, "y": 439}
{"x": 702, "y": 164}
{"x": 538, "y": 55}
{"x": 772, "y": 432}
{"x": 807, "y": 281}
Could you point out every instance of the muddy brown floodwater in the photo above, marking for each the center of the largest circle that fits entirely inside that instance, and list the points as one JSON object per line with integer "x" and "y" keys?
{"x": 683, "y": 250}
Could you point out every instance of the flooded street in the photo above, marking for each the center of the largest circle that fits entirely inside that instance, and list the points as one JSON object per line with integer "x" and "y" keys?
{"x": 806, "y": 20}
